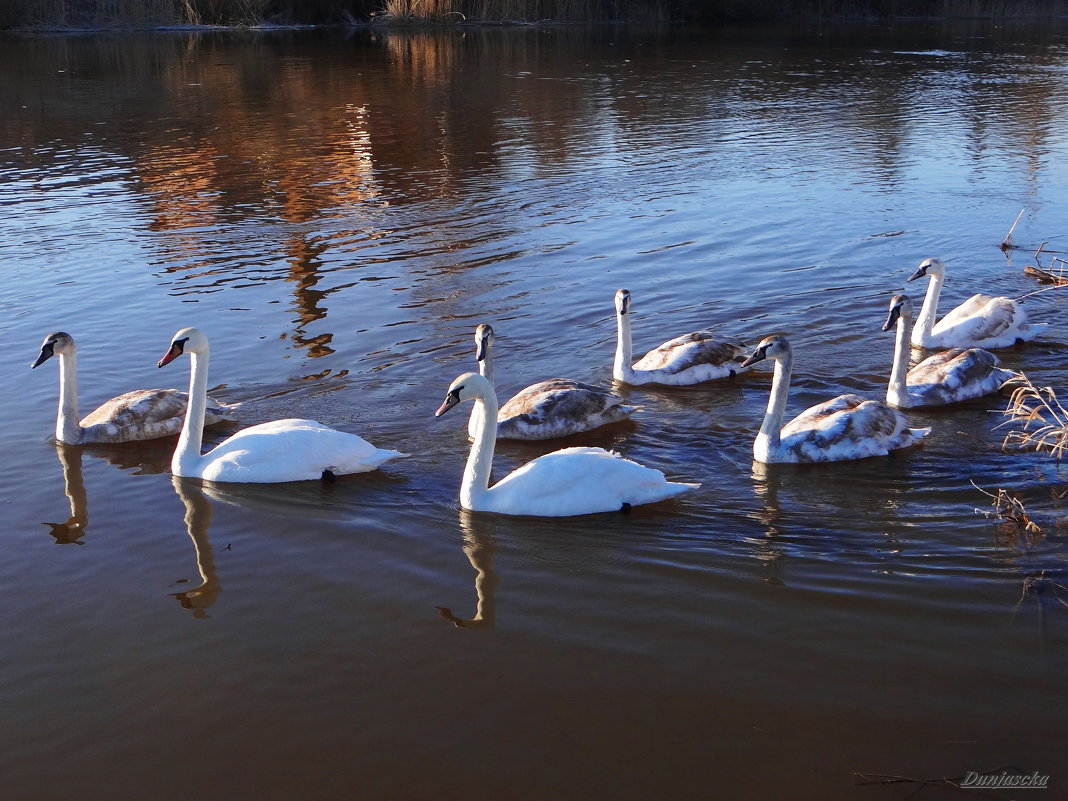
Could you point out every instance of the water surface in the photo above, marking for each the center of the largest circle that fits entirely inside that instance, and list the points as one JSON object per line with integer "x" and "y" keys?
{"x": 338, "y": 212}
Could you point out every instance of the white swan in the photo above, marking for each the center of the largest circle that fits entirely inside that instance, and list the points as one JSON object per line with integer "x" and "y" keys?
{"x": 947, "y": 377}
{"x": 572, "y": 481}
{"x": 138, "y": 415}
{"x": 690, "y": 359}
{"x": 981, "y": 321}
{"x": 558, "y": 407}
{"x": 846, "y": 427}
{"x": 282, "y": 450}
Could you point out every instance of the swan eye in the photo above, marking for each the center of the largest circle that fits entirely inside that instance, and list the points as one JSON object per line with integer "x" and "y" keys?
{"x": 179, "y": 344}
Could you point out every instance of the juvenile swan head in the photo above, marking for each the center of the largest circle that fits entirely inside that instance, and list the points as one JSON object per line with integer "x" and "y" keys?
{"x": 483, "y": 341}
{"x": 57, "y": 342}
{"x": 774, "y": 347}
{"x": 900, "y": 306}
{"x": 622, "y": 301}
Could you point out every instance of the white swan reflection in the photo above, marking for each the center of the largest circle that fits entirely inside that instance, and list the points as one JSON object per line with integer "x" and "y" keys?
{"x": 480, "y": 549}
{"x": 198, "y": 514}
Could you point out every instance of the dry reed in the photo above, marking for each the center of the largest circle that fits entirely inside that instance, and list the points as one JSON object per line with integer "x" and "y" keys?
{"x": 1041, "y": 420}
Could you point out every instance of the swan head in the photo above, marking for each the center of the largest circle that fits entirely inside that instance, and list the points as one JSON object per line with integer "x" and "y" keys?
{"x": 483, "y": 341}
{"x": 929, "y": 267}
{"x": 900, "y": 307}
{"x": 469, "y": 386}
{"x": 188, "y": 340}
{"x": 57, "y": 342}
{"x": 622, "y": 301}
{"x": 775, "y": 347}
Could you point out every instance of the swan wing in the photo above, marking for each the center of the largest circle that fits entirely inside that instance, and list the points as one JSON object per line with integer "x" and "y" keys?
{"x": 981, "y": 319}
{"x": 290, "y": 450}
{"x": 969, "y": 308}
{"x": 576, "y": 481}
{"x": 956, "y": 375}
{"x": 559, "y": 407}
{"x": 694, "y": 350}
{"x": 847, "y": 427}
{"x": 145, "y": 414}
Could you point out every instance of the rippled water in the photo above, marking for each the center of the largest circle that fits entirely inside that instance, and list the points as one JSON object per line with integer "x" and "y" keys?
{"x": 338, "y": 211}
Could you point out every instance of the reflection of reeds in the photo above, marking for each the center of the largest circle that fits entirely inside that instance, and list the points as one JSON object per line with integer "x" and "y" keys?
{"x": 1044, "y": 420}
{"x": 410, "y": 11}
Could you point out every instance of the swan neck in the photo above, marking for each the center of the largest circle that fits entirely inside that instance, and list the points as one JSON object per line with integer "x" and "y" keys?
{"x": 187, "y": 454}
{"x": 768, "y": 436}
{"x": 68, "y": 428}
{"x": 621, "y": 368}
{"x": 480, "y": 460}
{"x": 485, "y": 367}
{"x": 925, "y": 320}
{"x": 897, "y": 390}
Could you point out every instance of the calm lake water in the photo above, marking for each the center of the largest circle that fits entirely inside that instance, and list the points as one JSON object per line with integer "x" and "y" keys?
{"x": 338, "y": 211}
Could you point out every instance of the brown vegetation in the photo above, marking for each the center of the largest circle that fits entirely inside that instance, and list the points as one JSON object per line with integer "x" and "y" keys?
{"x": 95, "y": 13}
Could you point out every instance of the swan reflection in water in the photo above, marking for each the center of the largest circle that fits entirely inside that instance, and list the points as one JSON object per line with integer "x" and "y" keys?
{"x": 198, "y": 513}
{"x": 71, "y": 531}
{"x": 144, "y": 458}
{"x": 480, "y": 549}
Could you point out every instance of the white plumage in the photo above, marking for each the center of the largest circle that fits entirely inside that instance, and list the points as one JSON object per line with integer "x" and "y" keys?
{"x": 572, "y": 481}
{"x": 689, "y": 359}
{"x": 558, "y": 407}
{"x": 282, "y": 450}
{"x": 951, "y": 376}
{"x": 142, "y": 414}
{"x": 981, "y": 321}
{"x": 845, "y": 427}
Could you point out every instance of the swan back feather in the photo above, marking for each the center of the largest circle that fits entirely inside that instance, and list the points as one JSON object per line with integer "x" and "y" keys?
{"x": 559, "y": 407}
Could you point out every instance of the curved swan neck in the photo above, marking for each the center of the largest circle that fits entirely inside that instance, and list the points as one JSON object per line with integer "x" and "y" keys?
{"x": 68, "y": 428}
{"x": 475, "y": 483}
{"x": 187, "y": 454}
{"x": 925, "y": 320}
{"x": 621, "y": 368}
{"x": 897, "y": 392}
{"x": 768, "y": 437}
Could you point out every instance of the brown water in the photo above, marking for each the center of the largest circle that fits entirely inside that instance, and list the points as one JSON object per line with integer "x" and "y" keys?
{"x": 338, "y": 211}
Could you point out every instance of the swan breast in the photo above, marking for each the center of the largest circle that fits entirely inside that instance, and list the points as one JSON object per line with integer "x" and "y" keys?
{"x": 559, "y": 407}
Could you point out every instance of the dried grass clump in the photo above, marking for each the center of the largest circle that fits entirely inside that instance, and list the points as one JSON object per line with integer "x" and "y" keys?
{"x": 1012, "y": 520}
{"x": 1044, "y": 420}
